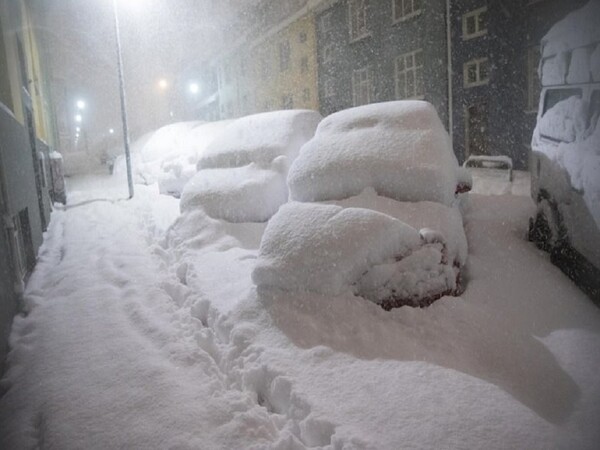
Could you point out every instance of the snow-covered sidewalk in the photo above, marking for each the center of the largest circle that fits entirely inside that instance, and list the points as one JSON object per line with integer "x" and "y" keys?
{"x": 141, "y": 336}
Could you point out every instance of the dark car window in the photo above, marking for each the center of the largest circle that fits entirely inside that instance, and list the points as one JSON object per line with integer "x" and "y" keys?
{"x": 554, "y": 96}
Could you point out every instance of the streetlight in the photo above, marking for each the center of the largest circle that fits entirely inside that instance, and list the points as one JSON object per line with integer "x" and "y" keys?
{"x": 111, "y": 131}
{"x": 194, "y": 88}
{"x": 80, "y": 104}
{"x": 78, "y": 118}
{"x": 163, "y": 84}
{"x": 123, "y": 104}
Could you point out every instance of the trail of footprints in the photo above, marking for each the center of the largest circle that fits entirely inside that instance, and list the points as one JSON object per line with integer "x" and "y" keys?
{"x": 199, "y": 337}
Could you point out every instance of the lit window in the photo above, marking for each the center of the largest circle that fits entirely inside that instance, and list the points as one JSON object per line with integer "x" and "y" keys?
{"x": 358, "y": 19}
{"x": 474, "y": 23}
{"x": 476, "y": 72}
{"x": 405, "y": 9}
{"x": 361, "y": 87}
{"x": 409, "y": 75}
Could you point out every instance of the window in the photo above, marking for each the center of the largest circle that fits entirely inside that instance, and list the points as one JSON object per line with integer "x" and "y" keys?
{"x": 327, "y": 53}
{"x": 287, "y": 101}
{"x": 264, "y": 68}
{"x": 405, "y": 9}
{"x": 361, "y": 87}
{"x": 326, "y": 22}
{"x": 302, "y": 37}
{"x": 306, "y": 95}
{"x": 358, "y": 19}
{"x": 284, "y": 55}
{"x": 533, "y": 79}
{"x": 304, "y": 64}
{"x": 474, "y": 23}
{"x": 409, "y": 75}
{"x": 476, "y": 72}
{"x": 329, "y": 88}
{"x": 553, "y": 96}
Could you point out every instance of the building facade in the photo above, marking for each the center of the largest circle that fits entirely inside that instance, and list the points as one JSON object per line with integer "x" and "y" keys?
{"x": 26, "y": 148}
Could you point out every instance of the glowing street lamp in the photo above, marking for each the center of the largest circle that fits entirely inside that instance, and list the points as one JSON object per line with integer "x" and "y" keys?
{"x": 111, "y": 131}
{"x": 80, "y": 104}
{"x": 163, "y": 84}
{"x": 194, "y": 88}
{"x": 78, "y": 118}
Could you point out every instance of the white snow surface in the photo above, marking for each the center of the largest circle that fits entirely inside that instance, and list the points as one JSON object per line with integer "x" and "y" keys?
{"x": 242, "y": 173}
{"x": 239, "y": 194}
{"x": 260, "y": 138}
{"x": 326, "y": 248}
{"x": 578, "y": 29}
{"x": 144, "y": 330}
{"x": 565, "y": 121}
{"x": 400, "y": 149}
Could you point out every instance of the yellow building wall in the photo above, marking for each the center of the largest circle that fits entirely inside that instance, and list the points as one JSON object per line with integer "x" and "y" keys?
{"x": 18, "y": 13}
{"x": 299, "y": 79}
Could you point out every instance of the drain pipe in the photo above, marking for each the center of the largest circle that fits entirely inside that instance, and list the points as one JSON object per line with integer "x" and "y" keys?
{"x": 449, "y": 67}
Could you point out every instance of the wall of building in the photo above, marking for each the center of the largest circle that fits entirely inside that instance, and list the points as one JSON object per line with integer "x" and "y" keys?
{"x": 386, "y": 40}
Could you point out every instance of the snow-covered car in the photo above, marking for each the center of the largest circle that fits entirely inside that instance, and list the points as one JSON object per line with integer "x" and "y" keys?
{"x": 565, "y": 160}
{"x": 391, "y": 230}
{"x": 242, "y": 174}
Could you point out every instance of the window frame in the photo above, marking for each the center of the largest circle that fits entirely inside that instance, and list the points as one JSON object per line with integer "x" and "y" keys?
{"x": 477, "y": 63}
{"x": 415, "y": 69}
{"x": 363, "y": 32}
{"x": 403, "y": 17}
{"x": 367, "y": 82}
{"x": 475, "y": 14}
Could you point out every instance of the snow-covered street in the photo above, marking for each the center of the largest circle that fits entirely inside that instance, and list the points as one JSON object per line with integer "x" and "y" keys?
{"x": 139, "y": 336}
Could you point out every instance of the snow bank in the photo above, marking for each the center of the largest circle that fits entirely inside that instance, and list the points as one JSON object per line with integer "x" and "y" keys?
{"x": 565, "y": 121}
{"x": 261, "y": 138}
{"x": 331, "y": 250}
{"x": 241, "y": 194}
{"x": 580, "y": 28}
{"x": 400, "y": 149}
{"x": 242, "y": 173}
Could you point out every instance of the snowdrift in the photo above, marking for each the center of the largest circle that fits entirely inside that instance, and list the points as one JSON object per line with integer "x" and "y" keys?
{"x": 400, "y": 149}
{"x": 242, "y": 173}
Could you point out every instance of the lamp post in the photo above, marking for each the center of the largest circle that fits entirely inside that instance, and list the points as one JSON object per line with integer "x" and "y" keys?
{"x": 123, "y": 104}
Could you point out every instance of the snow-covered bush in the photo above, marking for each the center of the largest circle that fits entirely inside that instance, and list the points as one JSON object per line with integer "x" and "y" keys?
{"x": 332, "y": 250}
{"x": 242, "y": 173}
{"x": 400, "y": 149}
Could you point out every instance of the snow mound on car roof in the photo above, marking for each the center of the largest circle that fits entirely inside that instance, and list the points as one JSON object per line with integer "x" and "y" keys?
{"x": 242, "y": 174}
{"x": 241, "y": 194}
{"x": 325, "y": 248}
{"x": 260, "y": 138}
{"x": 400, "y": 149}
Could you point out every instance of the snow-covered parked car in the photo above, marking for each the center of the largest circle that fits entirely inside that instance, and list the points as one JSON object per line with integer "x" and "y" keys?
{"x": 565, "y": 160}
{"x": 242, "y": 174}
{"x": 388, "y": 226}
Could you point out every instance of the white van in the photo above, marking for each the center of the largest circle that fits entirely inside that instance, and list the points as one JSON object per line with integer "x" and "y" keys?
{"x": 565, "y": 159}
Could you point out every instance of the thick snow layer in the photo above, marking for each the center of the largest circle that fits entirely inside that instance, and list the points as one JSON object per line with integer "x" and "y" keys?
{"x": 400, "y": 149}
{"x": 326, "y": 248}
{"x": 565, "y": 121}
{"x": 138, "y": 337}
{"x": 580, "y": 28}
{"x": 260, "y": 138}
{"x": 169, "y": 155}
{"x": 554, "y": 70}
{"x": 240, "y": 194}
{"x": 432, "y": 215}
